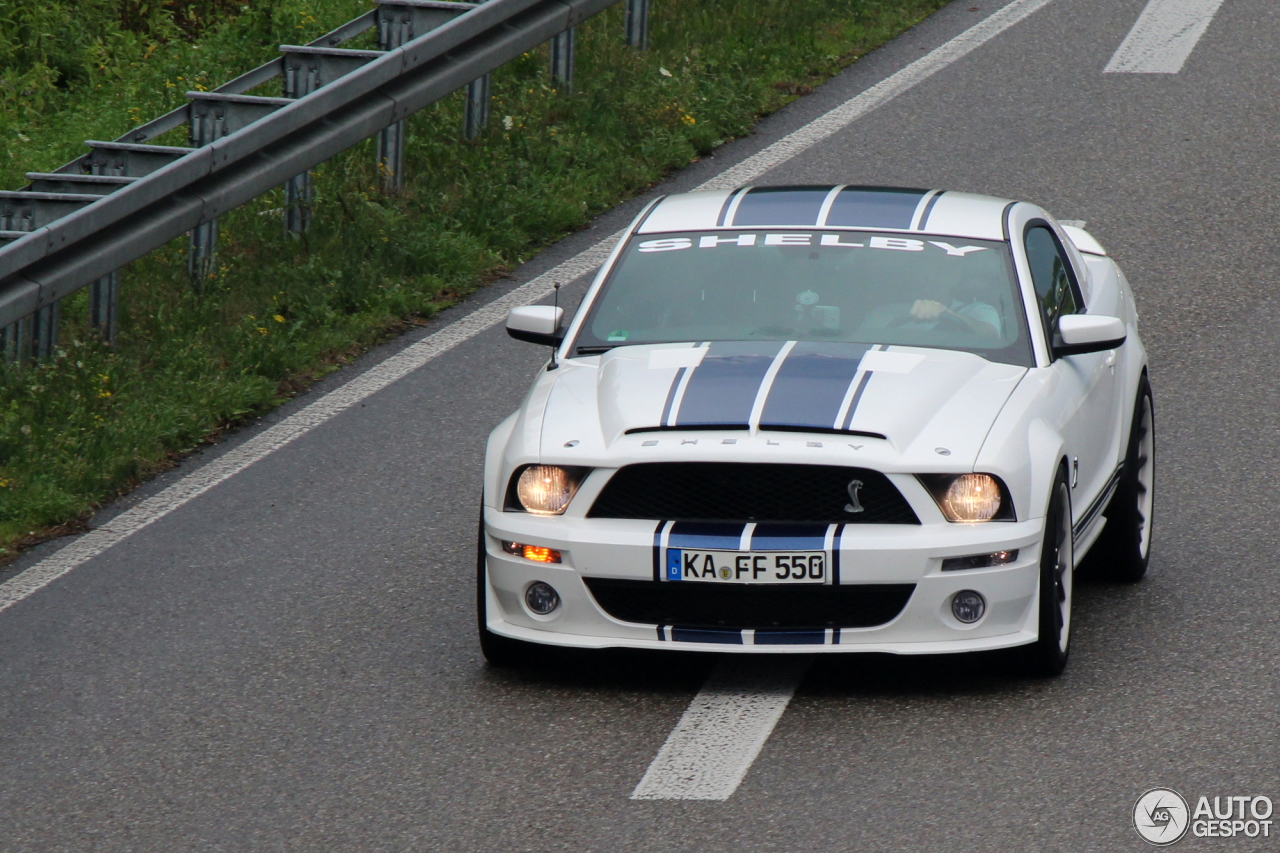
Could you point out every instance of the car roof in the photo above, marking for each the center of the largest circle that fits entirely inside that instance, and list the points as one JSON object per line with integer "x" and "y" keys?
{"x": 831, "y": 206}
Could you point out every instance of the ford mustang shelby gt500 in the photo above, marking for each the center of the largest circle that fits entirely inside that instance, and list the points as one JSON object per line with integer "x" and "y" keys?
{"x": 823, "y": 419}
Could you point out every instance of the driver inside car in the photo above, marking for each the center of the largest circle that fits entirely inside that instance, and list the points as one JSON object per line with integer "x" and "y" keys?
{"x": 939, "y": 303}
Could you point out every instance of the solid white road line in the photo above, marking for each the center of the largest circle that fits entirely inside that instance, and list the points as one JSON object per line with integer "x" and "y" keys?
{"x": 1163, "y": 37}
{"x": 198, "y": 482}
{"x": 722, "y": 731}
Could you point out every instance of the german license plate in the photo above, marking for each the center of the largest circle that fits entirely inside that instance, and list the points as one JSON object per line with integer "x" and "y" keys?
{"x": 776, "y": 567}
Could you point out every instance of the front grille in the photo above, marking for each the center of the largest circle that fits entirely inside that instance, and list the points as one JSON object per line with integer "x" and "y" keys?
{"x": 735, "y": 606}
{"x": 737, "y": 491}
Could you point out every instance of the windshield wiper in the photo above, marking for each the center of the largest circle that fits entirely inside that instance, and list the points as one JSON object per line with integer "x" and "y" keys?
{"x": 593, "y": 350}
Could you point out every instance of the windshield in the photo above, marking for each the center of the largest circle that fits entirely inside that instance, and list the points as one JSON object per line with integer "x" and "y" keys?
{"x": 814, "y": 285}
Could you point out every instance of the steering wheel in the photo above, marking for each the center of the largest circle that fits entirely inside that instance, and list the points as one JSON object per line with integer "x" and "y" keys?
{"x": 954, "y": 322}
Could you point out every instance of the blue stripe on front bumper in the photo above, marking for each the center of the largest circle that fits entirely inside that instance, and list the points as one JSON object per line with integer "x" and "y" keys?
{"x": 789, "y": 537}
{"x": 790, "y": 638}
{"x": 705, "y": 535}
{"x": 706, "y": 635}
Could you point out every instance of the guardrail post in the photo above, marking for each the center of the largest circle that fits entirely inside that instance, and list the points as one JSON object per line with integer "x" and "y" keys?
{"x": 391, "y": 157}
{"x": 200, "y": 256}
{"x": 13, "y": 341}
{"x": 306, "y": 68}
{"x": 211, "y": 116}
{"x": 395, "y": 27}
{"x": 562, "y": 59}
{"x": 637, "y": 22}
{"x": 44, "y": 330}
{"x": 477, "y": 111}
{"x": 104, "y": 307}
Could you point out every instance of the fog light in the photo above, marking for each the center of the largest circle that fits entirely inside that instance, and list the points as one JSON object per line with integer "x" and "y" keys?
{"x": 537, "y": 553}
{"x": 542, "y": 599}
{"x": 968, "y": 606}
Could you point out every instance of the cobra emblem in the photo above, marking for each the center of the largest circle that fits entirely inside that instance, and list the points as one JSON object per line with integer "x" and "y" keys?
{"x": 854, "y": 505}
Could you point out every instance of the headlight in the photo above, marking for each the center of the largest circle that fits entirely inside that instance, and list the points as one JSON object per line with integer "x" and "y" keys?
{"x": 970, "y": 497}
{"x": 544, "y": 489}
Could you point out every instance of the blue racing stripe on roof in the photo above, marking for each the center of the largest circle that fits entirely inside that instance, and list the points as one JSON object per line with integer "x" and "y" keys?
{"x": 780, "y": 206}
{"x": 724, "y": 208}
{"x": 928, "y": 209}
{"x": 811, "y": 384}
{"x": 874, "y": 207}
{"x": 789, "y": 537}
{"x": 706, "y": 535}
{"x": 723, "y": 387}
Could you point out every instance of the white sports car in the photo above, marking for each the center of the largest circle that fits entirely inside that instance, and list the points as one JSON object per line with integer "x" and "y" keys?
{"x": 823, "y": 419}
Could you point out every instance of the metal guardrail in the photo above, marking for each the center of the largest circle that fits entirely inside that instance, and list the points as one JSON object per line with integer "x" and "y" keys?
{"x": 77, "y": 226}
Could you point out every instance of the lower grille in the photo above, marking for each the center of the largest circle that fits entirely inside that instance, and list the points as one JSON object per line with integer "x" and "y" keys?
{"x": 736, "y": 606}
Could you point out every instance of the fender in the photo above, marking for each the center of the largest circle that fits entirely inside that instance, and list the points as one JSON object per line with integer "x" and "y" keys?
{"x": 1044, "y": 444}
{"x": 493, "y": 467}
{"x": 1022, "y": 448}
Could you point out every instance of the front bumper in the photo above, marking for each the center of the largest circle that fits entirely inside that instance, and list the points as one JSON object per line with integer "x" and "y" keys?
{"x": 868, "y": 554}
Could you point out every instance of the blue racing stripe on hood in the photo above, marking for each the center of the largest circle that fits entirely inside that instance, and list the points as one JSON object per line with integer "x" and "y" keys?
{"x": 874, "y": 207}
{"x": 789, "y": 537}
{"x": 780, "y": 206}
{"x": 811, "y": 384}
{"x": 723, "y": 387}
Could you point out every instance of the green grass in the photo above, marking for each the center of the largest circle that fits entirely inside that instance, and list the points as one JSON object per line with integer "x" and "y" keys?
{"x": 88, "y": 425}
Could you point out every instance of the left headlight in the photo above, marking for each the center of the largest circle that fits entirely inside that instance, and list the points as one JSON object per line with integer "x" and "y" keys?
{"x": 970, "y": 497}
{"x": 543, "y": 489}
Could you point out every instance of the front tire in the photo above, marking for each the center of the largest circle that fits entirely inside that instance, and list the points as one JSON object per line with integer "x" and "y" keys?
{"x": 1124, "y": 550}
{"x": 498, "y": 650}
{"x": 1048, "y": 656}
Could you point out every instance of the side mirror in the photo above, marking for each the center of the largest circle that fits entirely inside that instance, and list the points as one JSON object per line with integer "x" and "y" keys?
{"x": 1084, "y": 333}
{"x": 537, "y": 324}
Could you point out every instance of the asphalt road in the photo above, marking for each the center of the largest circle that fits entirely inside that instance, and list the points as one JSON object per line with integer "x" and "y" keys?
{"x": 288, "y": 662}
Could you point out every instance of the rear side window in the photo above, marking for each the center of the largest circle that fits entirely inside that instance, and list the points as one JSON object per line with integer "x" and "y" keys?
{"x": 1056, "y": 292}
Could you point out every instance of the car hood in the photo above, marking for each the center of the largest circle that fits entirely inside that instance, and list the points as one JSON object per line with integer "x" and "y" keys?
{"x": 920, "y": 402}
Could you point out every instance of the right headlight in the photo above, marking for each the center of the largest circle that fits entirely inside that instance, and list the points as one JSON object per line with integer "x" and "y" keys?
{"x": 543, "y": 489}
{"x": 969, "y": 498}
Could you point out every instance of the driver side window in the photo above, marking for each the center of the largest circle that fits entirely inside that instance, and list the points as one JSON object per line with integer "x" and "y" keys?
{"x": 1050, "y": 273}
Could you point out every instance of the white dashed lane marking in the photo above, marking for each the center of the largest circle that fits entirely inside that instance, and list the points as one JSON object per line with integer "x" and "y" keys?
{"x": 1163, "y": 37}
{"x": 722, "y": 731}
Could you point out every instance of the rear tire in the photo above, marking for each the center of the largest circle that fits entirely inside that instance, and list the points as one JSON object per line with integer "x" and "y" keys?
{"x": 498, "y": 650}
{"x": 1047, "y": 658}
{"x": 1124, "y": 549}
